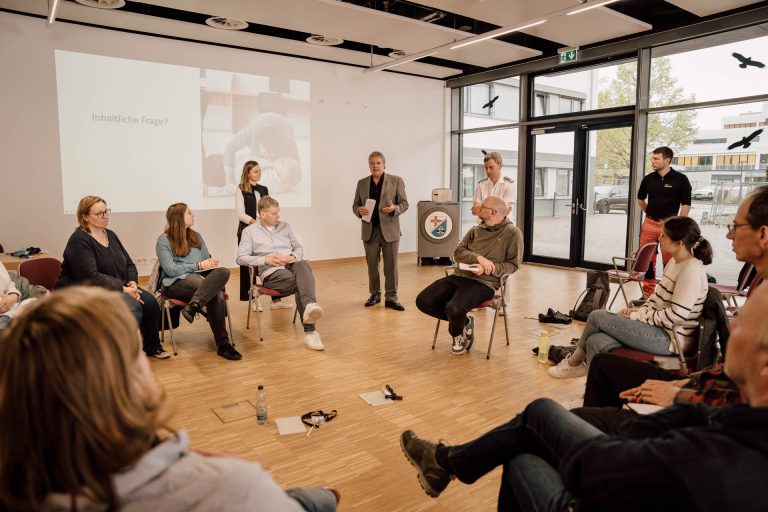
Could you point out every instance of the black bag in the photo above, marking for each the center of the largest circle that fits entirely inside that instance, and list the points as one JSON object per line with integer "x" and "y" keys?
{"x": 594, "y": 297}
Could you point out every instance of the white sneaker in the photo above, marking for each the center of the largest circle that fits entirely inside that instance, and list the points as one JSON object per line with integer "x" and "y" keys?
{"x": 312, "y": 340}
{"x": 312, "y": 313}
{"x": 458, "y": 348}
{"x": 281, "y": 305}
{"x": 256, "y": 306}
{"x": 564, "y": 370}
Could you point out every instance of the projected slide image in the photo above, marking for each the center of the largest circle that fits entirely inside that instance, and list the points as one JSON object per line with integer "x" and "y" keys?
{"x": 144, "y": 135}
{"x": 261, "y": 118}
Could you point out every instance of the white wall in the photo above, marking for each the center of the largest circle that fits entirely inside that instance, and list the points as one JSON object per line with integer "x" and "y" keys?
{"x": 352, "y": 115}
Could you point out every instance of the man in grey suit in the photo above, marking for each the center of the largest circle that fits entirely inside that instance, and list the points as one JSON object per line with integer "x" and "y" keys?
{"x": 381, "y": 235}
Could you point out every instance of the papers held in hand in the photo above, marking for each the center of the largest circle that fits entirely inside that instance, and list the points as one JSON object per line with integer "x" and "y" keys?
{"x": 370, "y": 204}
{"x": 470, "y": 267}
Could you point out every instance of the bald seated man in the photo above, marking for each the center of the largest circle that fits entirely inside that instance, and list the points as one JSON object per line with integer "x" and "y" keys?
{"x": 491, "y": 249}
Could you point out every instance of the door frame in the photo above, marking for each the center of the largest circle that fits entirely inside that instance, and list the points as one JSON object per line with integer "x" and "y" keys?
{"x": 579, "y": 178}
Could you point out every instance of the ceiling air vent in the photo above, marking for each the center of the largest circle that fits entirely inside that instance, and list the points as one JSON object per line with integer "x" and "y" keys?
{"x": 397, "y": 54}
{"x": 102, "y": 4}
{"x": 226, "y": 23}
{"x": 325, "y": 40}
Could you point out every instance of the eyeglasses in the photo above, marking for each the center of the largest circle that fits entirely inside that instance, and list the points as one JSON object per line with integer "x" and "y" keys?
{"x": 734, "y": 225}
{"x": 103, "y": 214}
{"x": 488, "y": 208}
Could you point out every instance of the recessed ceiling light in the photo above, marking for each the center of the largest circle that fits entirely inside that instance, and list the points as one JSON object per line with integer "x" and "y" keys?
{"x": 226, "y": 23}
{"x": 397, "y": 54}
{"x": 102, "y": 4}
{"x": 324, "y": 40}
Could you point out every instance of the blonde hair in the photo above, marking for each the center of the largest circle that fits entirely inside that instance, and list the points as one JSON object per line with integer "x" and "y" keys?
{"x": 75, "y": 410}
{"x": 495, "y": 156}
{"x": 181, "y": 237}
{"x": 245, "y": 181}
{"x": 84, "y": 208}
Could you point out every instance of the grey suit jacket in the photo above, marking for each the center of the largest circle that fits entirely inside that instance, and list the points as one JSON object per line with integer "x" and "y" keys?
{"x": 393, "y": 190}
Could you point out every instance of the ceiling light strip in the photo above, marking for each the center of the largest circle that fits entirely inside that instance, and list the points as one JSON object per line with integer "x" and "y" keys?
{"x": 577, "y": 11}
{"x": 495, "y": 33}
{"x": 404, "y": 60}
{"x": 53, "y": 6}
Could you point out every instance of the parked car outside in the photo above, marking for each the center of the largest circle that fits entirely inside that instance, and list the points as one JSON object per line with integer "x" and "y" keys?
{"x": 616, "y": 199}
{"x": 704, "y": 194}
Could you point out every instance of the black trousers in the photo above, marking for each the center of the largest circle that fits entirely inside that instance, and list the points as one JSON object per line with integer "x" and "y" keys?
{"x": 451, "y": 298}
{"x": 610, "y": 374}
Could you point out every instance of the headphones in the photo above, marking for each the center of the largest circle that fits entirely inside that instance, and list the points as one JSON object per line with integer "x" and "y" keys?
{"x": 317, "y": 418}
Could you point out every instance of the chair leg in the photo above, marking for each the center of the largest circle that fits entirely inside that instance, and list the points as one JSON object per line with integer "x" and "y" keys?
{"x": 434, "y": 340}
{"x": 624, "y": 294}
{"x": 493, "y": 330}
{"x": 229, "y": 322}
{"x": 295, "y": 313}
{"x": 615, "y": 295}
{"x": 506, "y": 326}
{"x": 250, "y": 305}
{"x": 170, "y": 327}
{"x": 258, "y": 319}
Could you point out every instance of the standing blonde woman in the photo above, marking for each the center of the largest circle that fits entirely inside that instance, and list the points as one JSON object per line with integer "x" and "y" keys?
{"x": 95, "y": 256}
{"x": 246, "y": 200}
{"x": 83, "y": 423}
{"x": 189, "y": 273}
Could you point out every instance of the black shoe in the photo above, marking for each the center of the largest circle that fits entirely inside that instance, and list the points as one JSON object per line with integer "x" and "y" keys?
{"x": 374, "y": 299}
{"x": 189, "y": 311}
{"x": 469, "y": 333}
{"x": 432, "y": 477}
{"x": 393, "y": 304}
{"x": 227, "y": 351}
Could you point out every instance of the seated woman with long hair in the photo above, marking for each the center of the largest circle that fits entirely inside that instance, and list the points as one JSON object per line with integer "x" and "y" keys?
{"x": 84, "y": 426}
{"x": 678, "y": 297}
{"x": 95, "y": 256}
{"x": 189, "y": 273}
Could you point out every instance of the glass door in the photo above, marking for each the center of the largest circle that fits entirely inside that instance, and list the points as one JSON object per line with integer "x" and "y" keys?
{"x": 578, "y": 194}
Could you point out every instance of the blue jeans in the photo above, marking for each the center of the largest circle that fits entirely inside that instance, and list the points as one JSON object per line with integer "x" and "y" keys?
{"x": 530, "y": 446}
{"x": 148, "y": 317}
{"x": 606, "y": 331}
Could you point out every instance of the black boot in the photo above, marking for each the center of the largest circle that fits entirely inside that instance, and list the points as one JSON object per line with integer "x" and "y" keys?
{"x": 189, "y": 311}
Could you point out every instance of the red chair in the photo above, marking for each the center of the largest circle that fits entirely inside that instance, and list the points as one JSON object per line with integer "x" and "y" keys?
{"x": 636, "y": 267}
{"x": 497, "y": 303}
{"x": 41, "y": 271}
{"x": 711, "y": 327}
{"x": 166, "y": 304}
{"x": 257, "y": 290}
{"x": 730, "y": 292}
{"x": 732, "y": 311}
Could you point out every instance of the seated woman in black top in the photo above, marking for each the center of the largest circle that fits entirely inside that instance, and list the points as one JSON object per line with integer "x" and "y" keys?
{"x": 95, "y": 256}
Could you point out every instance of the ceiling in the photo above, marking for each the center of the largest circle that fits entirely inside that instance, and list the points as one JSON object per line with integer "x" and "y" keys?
{"x": 372, "y": 29}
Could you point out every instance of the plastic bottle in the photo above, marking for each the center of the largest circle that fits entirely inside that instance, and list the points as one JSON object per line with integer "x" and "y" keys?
{"x": 543, "y": 347}
{"x": 261, "y": 405}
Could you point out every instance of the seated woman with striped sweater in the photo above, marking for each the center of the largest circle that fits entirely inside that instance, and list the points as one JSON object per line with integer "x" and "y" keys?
{"x": 679, "y": 296}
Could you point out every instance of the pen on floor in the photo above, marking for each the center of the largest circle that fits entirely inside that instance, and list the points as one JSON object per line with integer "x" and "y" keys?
{"x": 310, "y": 429}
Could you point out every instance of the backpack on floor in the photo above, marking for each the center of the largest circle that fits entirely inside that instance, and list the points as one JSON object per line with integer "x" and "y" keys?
{"x": 594, "y": 297}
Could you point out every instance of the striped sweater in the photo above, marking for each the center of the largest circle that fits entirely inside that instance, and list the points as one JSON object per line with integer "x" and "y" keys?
{"x": 679, "y": 296}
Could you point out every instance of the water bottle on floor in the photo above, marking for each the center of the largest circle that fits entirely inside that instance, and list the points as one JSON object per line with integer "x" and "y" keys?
{"x": 261, "y": 405}
{"x": 543, "y": 347}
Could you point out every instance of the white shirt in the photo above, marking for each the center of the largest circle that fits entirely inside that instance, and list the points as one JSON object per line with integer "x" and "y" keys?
{"x": 504, "y": 188}
{"x": 240, "y": 206}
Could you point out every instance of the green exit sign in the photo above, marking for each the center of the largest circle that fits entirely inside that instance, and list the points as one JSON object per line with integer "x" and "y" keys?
{"x": 569, "y": 56}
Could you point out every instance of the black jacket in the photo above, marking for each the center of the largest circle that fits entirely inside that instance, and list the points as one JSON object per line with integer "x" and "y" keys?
{"x": 686, "y": 457}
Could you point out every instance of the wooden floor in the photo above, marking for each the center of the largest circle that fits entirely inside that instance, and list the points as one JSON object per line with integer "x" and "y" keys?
{"x": 451, "y": 397}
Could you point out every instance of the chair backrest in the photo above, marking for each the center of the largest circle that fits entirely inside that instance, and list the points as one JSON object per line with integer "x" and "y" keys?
{"x": 713, "y": 328}
{"x": 644, "y": 256}
{"x": 756, "y": 281}
{"x": 41, "y": 271}
{"x": 747, "y": 273}
{"x": 153, "y": 285}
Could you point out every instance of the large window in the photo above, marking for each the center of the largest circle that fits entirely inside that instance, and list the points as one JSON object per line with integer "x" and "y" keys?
{"x": 589, "y": 89}
{"x": 491, "y": 104}
{"x": 473, "y": 170}
{"x": 711, "y": 73}
{"x": 720, "y": 177}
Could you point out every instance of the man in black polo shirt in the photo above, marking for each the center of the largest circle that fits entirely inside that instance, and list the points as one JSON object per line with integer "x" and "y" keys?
{"x": 668, "y": 193}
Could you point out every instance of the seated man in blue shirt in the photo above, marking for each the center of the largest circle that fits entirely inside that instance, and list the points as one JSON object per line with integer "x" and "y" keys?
{"x": 271, "y": 246}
